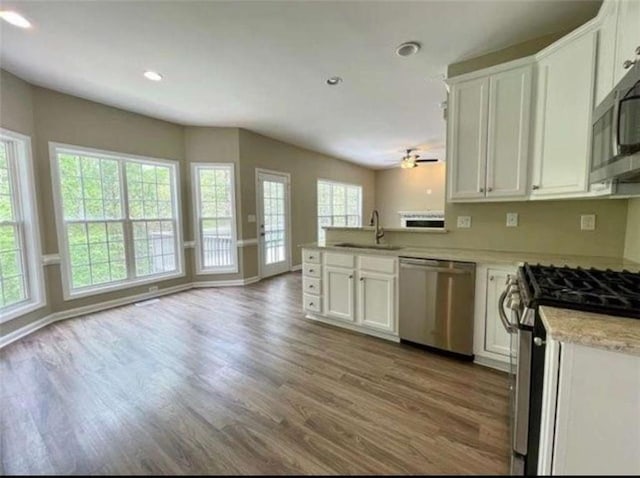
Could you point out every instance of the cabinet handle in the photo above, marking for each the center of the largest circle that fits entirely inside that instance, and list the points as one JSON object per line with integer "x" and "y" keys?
{"x": 311, "y": 303}
{"x": 481, "y": 190}
{"x": 311, "y": 270}
{"x": 489, "y": 189}
{"x": 351, "y": 277}
{"x": 361, "y": 279}
{"x": 628, "y": 64}
{"x": 491, "y": 277}
{"x": 311, "y": 286}
{"x": 535, "y": 186}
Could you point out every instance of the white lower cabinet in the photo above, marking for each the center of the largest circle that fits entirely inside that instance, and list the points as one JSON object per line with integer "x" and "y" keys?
{"x": 590, "y": 412}
{"x": 358, "y": 292}
{"x": 376, "y": 300}
{"x": 339, "y": 295}
{"x": 492, "y": 343}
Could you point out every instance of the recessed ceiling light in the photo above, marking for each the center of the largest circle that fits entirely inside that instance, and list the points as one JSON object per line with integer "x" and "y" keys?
{"x": 152, "y": 75}
{"x": 408, "y": 48}
{"x": 334, "y": 80}
{"x": 15, "y": 19}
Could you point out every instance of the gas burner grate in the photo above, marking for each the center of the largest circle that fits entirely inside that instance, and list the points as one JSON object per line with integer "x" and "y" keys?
{"x": 604, "y": 291}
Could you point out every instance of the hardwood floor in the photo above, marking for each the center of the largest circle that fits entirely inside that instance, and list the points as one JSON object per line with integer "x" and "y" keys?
{"x": 236, "y": 381}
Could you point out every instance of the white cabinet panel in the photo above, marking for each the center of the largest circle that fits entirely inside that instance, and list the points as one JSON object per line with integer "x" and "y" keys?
{"x": 606, "y": 56}
{"x": 386, "y": 265}
{"x": 628, "y": 35}
{"x": 339, "y": 293}
{"x": 311, "y": 256}
{"x": 376, "y": 301}
{"x": 339, "y": 260}
{"x": 565, "y": 83}
{"x": 312, "y": 303}
{"x": 311, "y": 270}
{"x": 467, "y": 138}
{"x": 496, "y": 340}
{"x": 311, "y": 285}
{"x": 508, "y": 132}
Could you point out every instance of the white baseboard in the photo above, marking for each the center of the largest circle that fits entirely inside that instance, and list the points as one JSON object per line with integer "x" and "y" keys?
{"x": 90, "y": 309}
{"x": 492, "y": 363}
{"x": 296, "y": 268}
{"x": 354, "y": 328}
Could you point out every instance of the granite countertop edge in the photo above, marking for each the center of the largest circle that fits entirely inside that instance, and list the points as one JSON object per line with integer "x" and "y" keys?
{"x": 616, "y": 334}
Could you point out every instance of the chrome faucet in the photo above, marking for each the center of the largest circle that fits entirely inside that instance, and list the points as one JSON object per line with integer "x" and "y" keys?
{"x": 375, "y": 221}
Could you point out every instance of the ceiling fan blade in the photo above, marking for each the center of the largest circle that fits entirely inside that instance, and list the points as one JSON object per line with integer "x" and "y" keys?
{"x": 427, "y": 160}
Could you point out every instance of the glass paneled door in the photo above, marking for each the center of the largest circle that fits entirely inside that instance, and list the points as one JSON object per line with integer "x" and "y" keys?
{"x": 273, "y": 222}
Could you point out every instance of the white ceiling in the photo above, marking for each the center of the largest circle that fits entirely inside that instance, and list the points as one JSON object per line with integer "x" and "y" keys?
{"x": 262, "y": 65}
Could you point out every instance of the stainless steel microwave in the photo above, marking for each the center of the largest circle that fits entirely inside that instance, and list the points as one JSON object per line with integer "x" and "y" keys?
{"x": 615, "y": 148}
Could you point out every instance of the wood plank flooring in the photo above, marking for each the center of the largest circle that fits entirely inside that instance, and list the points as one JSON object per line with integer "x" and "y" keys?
{"x": 236, "y": 381}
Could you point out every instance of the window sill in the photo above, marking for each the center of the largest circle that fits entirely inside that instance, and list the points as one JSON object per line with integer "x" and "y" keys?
{"x": 20, "y": 310}
{"x": 217, "y": 271}
{"x": 78, "y": 294}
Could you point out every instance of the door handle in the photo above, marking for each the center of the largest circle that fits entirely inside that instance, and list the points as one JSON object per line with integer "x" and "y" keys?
{"x": 503, "y": 317}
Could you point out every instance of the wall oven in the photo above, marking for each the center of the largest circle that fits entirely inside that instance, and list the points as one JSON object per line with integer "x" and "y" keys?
{"x": 615, "y": 140}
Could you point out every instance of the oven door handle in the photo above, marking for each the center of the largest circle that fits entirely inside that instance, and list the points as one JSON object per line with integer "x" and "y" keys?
{"x": 503, "y": 317}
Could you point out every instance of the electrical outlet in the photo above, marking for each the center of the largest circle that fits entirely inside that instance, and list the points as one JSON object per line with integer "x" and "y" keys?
{"x": 512, "y": 219}
{"x": 464, "y": 222}
{"x": 588, "y": 222}
{"x": 153, "y": 288}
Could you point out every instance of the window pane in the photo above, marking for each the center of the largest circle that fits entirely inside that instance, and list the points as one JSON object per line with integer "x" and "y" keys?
{"x": 154, "y": 247}
{"x": 215, "y": 189}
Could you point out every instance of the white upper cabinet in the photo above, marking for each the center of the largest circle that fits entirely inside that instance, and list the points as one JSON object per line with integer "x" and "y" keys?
{"x": 468, "y": 138}
{"x": 565, "y": 84}
{"x": 489, "y": 134}
{"x": 606, "y": 57}
{"x": 508, "y": 133}
{"x": 628, "y": 35}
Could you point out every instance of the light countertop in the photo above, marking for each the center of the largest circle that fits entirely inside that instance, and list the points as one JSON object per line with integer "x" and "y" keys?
{"x": 491, "y": 257}
{"x": 608, "y": 332}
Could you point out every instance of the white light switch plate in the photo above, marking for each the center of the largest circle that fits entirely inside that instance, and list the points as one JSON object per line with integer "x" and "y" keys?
{"x": 588, "y": 222}
{"x": 464, "y": 222}
{"x": 512, "y": 219}
{"x": 251, "y": 218}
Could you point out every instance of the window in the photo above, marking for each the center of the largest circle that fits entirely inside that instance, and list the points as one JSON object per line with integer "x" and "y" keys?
{"x": 339, "y": 204}
{"x": 215, "y": 221}
{"x": 21, "y": 288}
{"x": 117, "y": 219}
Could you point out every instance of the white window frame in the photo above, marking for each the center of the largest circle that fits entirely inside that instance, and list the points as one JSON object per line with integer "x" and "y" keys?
{"x": 65, "y": 261}
{"x": 339, "y": 183}
{"x": 197, "y": 219}
{"x": 27, "y": 214}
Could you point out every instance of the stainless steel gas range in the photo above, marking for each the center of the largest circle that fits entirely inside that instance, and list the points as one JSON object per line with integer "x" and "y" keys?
{"x": 608, "y": 292}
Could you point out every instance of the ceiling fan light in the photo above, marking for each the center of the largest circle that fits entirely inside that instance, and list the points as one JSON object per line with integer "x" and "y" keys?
{"x": 407, "y": 164}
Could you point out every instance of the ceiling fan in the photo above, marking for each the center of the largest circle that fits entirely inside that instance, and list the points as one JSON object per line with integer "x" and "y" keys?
{"x": 411, "y": 159}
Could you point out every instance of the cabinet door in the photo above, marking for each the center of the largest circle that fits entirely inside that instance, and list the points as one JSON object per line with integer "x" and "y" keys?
{"x": 338, "y": 293}
{"x": 508, "y": 133}
{"x": 606, "y": 56}
{"x": 467, "y": 139}
{"x": 563, "y": 119}
{"x": 628, "y": 35}
{"x": 496, "y": 339}
{"x": 376, "y": 301}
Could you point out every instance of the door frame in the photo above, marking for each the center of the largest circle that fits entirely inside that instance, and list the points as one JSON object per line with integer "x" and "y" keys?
{"x": 259, "y": 215}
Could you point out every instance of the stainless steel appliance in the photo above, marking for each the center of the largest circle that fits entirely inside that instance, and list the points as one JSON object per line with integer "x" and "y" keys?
{"x": 436, "y": 304}
{"x": 615, "y": 148}
{"x": 422, "y": 219}
{"x": 608, "y": 292}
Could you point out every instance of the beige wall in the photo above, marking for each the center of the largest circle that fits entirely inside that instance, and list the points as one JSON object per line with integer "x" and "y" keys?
{"x": 417, "y": 189}
{"x": 545, "y": 226}
{"x": 632, "y": 240}
{"x": 305, "y": 167}
{"x": 513, "y": 52}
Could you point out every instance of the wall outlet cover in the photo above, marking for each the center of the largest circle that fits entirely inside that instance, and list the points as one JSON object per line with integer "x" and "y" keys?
{"x": 251, "y": 218}
{"x": 464, "y": 222}
{"x": 512, "y": 219}
{"x": 588, "y": 222}
{"x": 153, "y": 288}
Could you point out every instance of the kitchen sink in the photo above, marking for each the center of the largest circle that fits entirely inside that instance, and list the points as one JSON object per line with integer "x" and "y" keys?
{"x": 383, "y": 247}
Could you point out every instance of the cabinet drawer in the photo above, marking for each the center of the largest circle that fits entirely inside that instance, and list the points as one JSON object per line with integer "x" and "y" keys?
{"x": 311, "y": 285}
{"x": 386, "y": 265}
{"x": 311, "y": 303}
{"x": 339, "y": 260}
{"x": 311, "y": 270}
{"x": 311, "y": 256}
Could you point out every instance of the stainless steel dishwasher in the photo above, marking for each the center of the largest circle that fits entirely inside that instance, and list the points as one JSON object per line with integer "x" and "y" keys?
{"x": 436, "y": 304}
